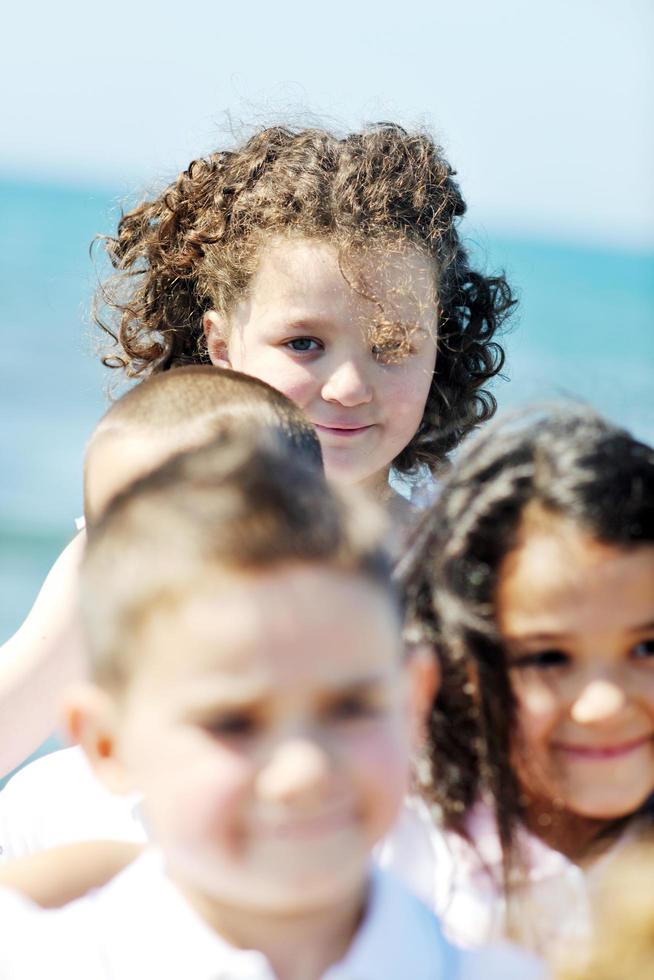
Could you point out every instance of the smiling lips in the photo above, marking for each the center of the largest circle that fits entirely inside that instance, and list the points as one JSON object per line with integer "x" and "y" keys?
{"x": 344, "y": 430}
{"x": 588, "y": 753}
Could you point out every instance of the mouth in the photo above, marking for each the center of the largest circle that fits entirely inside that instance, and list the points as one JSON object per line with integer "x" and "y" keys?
{"x": 598, "y": 753}
{"x": 306, "y": 828}
{"x": 342, "y": 431}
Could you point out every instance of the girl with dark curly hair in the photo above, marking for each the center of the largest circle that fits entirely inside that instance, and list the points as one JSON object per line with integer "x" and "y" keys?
{"x": 330, "y": 267}
{"x": 533, "y": 576}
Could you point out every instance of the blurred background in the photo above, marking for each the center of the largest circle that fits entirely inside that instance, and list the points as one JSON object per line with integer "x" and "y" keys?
{"x": 544, "y": 109}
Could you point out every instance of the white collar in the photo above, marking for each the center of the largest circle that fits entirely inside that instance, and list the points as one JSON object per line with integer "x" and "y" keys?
{"x": 398, "y": 936}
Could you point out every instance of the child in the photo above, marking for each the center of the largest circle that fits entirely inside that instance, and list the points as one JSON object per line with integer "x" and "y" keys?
{"x": 332, "y": 268}
{"x": 54, "y": 800}
{"x": 534, "y": 575}
{"x": 248, "y": 678}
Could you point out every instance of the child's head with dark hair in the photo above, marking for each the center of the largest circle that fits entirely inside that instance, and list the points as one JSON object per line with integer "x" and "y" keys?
{"x": 171, "y": 412}
{"x": 534, "y": 574}
{"x": 267, "y": 256}
{"x": 248, "y": 679}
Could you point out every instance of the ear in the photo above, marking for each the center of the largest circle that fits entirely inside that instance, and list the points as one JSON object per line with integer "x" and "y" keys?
{"x": 424, "y": 680}
{"x": 215, "y": 330}
{"x": 91, "y": 718}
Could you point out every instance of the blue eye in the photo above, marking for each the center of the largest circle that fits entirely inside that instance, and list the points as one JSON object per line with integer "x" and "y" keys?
{"x": 541, "y": 660}
{"x": 644, "y": 650}
{"x": 302, "y": 345}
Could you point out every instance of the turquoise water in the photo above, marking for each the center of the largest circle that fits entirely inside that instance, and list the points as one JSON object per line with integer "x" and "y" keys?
{"x": 585, "y": 328}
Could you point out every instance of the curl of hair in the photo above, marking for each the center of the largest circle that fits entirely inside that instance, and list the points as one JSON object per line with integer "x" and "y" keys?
{"x": 194, "y": 247}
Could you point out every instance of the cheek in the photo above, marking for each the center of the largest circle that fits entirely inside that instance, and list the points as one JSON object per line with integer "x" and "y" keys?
{"x": 380, "y": 760}
{"x": 279, "y": 371}
{"x": 538, "y": 710}
{"x": 199, "y": 793}
{"x": 407, "y": 393}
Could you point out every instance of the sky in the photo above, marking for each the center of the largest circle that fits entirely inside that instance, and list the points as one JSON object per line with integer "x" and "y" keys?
{"x": 545, "y": 108}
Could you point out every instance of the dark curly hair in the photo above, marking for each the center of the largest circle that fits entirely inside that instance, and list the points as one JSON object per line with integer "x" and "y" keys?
{"x": 570, "y": 462}
{"x": 194, "y": 248}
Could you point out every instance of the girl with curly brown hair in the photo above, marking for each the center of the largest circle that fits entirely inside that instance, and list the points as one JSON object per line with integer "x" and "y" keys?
{"x": 330, "y": 267}
{"x": 533, "y": 577}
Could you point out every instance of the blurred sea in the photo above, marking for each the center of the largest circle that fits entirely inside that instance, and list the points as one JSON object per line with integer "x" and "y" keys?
{"x": 585, "y": 328}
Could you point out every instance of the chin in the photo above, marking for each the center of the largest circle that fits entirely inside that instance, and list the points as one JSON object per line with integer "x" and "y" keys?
{"x": 310, "y": 897}
{"x": 346, "y": 476}
{"x": 614, "y": 807}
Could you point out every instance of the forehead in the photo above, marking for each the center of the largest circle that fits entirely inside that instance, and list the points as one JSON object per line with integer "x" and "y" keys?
{"x": 561, "y": 579}
{"x": 296, "y": 269}
{"x": 289, "y": 625}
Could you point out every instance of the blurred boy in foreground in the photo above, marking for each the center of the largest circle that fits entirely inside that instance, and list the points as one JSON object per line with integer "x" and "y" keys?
{"x": 248, "y": 679}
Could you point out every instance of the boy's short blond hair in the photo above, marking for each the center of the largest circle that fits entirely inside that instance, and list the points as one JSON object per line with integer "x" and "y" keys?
{"x": 171, "y": 412}
{"x": 246, "y": 502}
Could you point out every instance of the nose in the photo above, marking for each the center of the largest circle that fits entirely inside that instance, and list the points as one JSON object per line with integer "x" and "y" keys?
{"x": 598, "y": 701}
{"x": 298, "y": 769}
{"x": 348, "y": 385}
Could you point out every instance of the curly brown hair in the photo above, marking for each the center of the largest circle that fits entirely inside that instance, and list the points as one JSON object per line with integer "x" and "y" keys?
{"x": 573, "y": 464}
{"x": 194, "y": 247}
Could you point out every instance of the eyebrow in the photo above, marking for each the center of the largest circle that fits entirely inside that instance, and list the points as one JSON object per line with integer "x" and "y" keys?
{"x": 301, "y": 321}
{"x": 558, "y": 637}
{"x": 248, "y": 700}
{"x": 536, "y": 638}
{"x": 643, "y": 628}
{"x": 361, "y": 685}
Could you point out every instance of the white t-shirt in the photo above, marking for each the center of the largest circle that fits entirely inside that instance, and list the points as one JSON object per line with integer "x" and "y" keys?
{"x": 140, "y": 925}
{"x": 56, "y": 800}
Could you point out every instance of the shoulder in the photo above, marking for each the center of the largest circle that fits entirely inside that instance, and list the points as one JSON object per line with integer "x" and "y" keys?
{"x": 418, "y": 852}
{"x": 35, "y": 940}
{"x": 56, "y": 800}
{"x": 90, "y": 937}
{"x": 50, "y": 771}
{"x": 29, "y": 793}
{"x": 74, "y": 937}
{"x": 458, "y": 877}
{"x": 137, "y": 926}
{"x": 399, "y": 936}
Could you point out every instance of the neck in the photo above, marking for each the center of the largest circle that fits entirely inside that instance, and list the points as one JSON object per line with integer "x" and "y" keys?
{"x": 401, "y": 511}
{"x": 378, "y": 487}
{"x": 299, "y": 945}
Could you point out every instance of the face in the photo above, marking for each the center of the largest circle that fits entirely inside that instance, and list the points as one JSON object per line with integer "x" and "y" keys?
{"x": 577, "y": 619}
{"x": 272, "y": 754}
{"x": 359, "y": 361}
